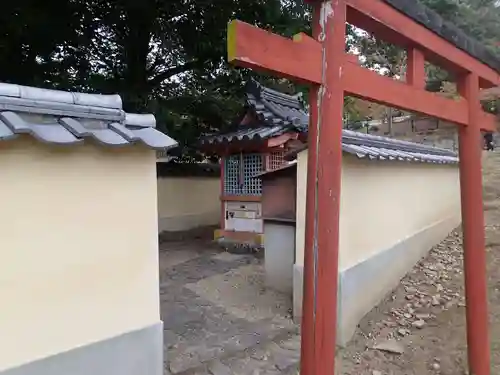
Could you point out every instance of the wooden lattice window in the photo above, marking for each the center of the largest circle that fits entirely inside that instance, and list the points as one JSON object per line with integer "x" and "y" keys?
{"x": 275, "y": 159}
{"x": 239, "y": 171}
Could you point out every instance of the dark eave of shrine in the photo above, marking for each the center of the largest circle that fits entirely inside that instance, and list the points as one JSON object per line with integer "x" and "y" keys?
{"x": 276, "y": 108}
{"x": 275, "y": 113}
{"x": 435, "y": 23}
{"x": 246, "y": 133}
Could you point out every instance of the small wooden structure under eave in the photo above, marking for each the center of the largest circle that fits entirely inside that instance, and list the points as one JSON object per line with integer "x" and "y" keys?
{"x": 270, "y": 124}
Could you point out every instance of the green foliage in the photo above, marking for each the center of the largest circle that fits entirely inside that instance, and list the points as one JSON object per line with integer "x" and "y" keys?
{"x": 477, "y": 18}
{"x": 169, "y": 57}
{"x": 159, "y": 55}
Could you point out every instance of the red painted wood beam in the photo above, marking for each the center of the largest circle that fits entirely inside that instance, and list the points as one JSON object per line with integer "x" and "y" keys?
{"x": 300, "y": 60}
{"x": 272, "y": 53}
{"x": 330, "y": 102}
{"x": 415, "y": 68}
{"x": 222, "y": 203}
{"x": 365, "y": 84}
{"x": 307, "y": 360}
{"x": 471, "y": 190}
{"x": 387, "y": 23}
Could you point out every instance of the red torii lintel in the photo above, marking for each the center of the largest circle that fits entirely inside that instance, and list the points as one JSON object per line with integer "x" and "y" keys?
{"x": 323, "y": 63}
{"x": 389, "y": 24}
{"x": 300, "y": 60}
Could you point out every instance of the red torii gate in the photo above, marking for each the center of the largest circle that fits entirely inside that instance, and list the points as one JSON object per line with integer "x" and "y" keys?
{"x": 322, "y": 62}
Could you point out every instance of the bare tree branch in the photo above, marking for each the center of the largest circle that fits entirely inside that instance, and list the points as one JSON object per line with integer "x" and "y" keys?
{"x": 172, "y": 71}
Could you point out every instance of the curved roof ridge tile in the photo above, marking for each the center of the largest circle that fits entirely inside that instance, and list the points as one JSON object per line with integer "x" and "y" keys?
{"x": 62, "y": 117}
{"x": 113, "y": 101}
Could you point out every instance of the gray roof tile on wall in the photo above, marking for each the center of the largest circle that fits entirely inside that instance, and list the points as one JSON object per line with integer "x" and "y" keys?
{"x": 66, "y": 118}
{"x": 123, "y": 131}
{"x": 5, "y": 132}
{"x": 371, "y": 147}
{"x": 151, "y": 138}
{"x": 105, "y": 135}
{"x": 374, "y": 147}
{"x": 56, "y": 96}
{"x": 357, "y": 138}
{"x": 374, "y": 153}
{"x": 50, "y": 133}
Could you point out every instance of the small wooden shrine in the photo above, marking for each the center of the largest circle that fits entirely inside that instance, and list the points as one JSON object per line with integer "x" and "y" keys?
{"x": 269, "y": 125}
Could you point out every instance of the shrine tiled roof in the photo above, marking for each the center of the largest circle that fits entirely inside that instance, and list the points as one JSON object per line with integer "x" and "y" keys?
{"x": 276, "y": 112}
{"x": 446, "y": 30}
{"x": 69, "y": 118}
{"x": 282, "y": 112}
{"x": 275, "y": 108}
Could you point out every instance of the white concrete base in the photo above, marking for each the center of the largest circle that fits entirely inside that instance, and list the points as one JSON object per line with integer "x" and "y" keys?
{"x": 364, "y": 285}
{"x": 137, "y": 352}
{"x": 298, "y": 292}
{"x": 279, "y": 255}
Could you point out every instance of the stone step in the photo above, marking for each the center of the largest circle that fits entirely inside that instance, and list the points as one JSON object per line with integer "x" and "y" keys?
{"x": 275, "y": 348}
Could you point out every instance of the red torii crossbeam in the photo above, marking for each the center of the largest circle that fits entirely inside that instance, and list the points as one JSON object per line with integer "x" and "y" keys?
{"x": 322, "y": 62}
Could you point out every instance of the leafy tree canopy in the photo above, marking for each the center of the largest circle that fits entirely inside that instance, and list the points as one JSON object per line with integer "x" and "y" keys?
{"x": 169, "y": 56}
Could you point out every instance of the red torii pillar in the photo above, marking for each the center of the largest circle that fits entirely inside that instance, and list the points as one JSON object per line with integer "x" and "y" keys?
{"x": 322, "y": 62}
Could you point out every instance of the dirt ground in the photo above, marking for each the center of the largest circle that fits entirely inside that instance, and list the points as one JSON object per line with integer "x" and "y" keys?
{"x": 218, "y": 316}
{"x": 420, "y": 328}
{"x": 220, "y": 319}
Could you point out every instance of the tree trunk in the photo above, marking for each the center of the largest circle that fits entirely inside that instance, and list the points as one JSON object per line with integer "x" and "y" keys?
{"x": 140, "y": 17}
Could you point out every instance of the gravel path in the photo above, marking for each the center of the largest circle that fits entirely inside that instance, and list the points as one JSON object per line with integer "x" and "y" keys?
{"x": 420, "y": 328}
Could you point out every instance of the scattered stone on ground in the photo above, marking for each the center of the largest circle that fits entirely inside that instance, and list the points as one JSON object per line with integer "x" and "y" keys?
{"x": 436, "y": 366}
{"x": 418, "y": 324}
{"x": 390, "y": 346}
{"x": 432, "y": 293}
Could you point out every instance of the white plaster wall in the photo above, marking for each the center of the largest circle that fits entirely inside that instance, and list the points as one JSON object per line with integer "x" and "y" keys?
{"x": 383, "y": 203}
{"x": 391, "y": 214}
{"x": 188, "y": 202}
{"x": 78, "y": 246}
